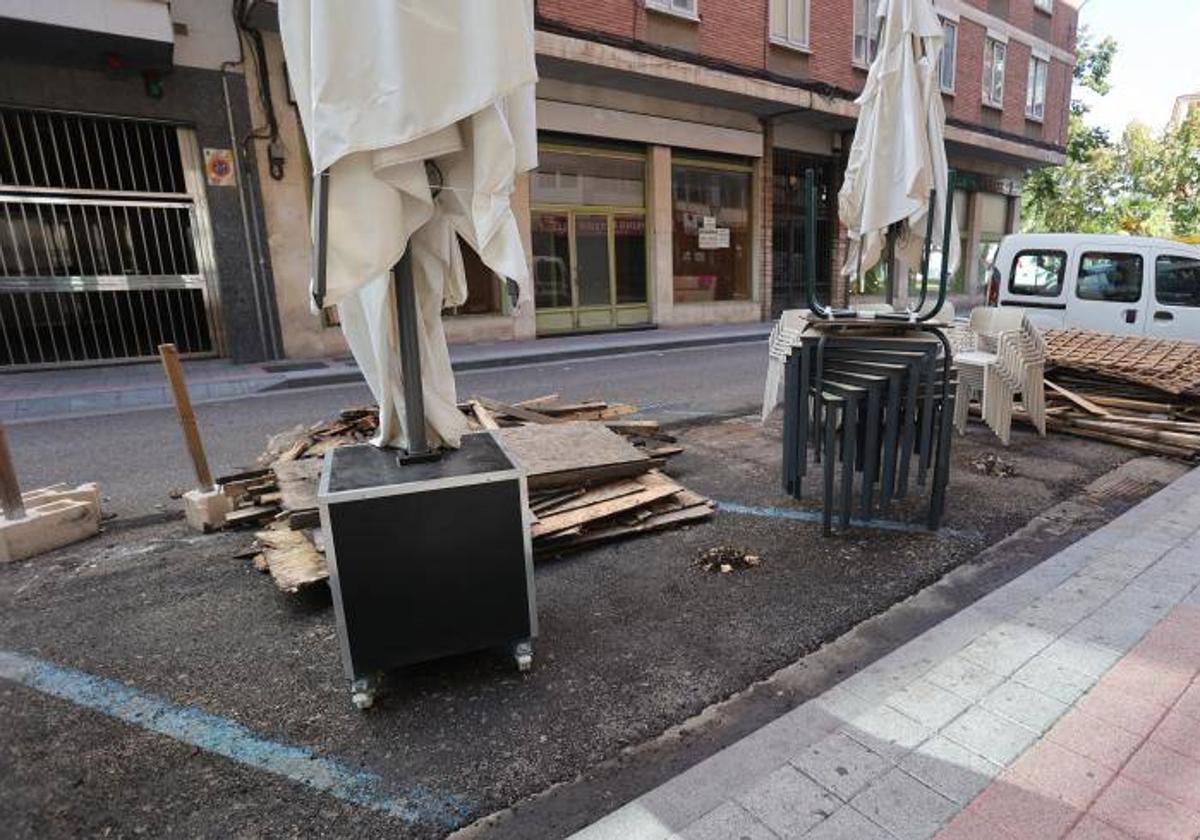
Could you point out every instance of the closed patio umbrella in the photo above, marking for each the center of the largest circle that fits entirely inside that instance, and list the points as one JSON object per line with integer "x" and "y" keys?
{"x": 899, "y": 150}
{"x": 385, "y": 88}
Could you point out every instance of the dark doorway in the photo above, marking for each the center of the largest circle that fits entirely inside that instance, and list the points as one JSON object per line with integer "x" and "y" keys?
{"x": 787, "y": 239}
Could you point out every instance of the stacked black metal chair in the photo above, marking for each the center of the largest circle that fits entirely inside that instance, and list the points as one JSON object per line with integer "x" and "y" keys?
{"x": 869, "y": 401}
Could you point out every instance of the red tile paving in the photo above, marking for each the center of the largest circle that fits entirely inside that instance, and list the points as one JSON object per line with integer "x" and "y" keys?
{"x": 1124, "y": 763}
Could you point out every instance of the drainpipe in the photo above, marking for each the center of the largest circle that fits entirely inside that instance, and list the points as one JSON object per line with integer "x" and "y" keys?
{"x": 240, "y": 174}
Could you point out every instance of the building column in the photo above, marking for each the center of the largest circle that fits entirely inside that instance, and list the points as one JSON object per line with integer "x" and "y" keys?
{"x": 974, "y": 230}
{"x": 524, "y": 316}
{"x": 662, "y": 254}
{"x": 1012, "y": 216}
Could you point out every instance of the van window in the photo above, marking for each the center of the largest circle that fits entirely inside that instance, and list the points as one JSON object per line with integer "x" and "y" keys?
{"x": 1177, "y": 281}
{"x": 1110, "y": 277}
{"x": 1038, "y": 273}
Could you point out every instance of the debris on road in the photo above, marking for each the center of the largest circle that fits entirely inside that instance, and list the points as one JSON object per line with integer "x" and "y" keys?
{"x": 990, "y": 463}
{"x": 593, "y": 474}
{"x": 1141, "y": 393}
{"x": 726, "y": 559}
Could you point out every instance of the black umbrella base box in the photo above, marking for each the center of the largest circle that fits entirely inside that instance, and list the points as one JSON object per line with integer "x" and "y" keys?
{"x": 426, "y": 559}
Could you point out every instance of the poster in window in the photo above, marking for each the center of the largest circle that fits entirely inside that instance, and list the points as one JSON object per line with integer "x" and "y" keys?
{"x": 712, "y": 239}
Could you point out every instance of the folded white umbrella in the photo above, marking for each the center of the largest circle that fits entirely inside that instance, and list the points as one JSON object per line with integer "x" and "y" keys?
{"x": 383, "y": 86}
{"x": 899, "y": 150}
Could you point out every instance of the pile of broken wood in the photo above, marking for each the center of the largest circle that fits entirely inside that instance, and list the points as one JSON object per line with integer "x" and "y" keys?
{"x": 594, "y": 475}
{"x": 1140, "y": 393}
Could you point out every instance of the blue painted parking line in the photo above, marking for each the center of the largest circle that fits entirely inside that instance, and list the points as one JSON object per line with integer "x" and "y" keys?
{"x": 799, "y": 515}
{"x": 223, "y": 737}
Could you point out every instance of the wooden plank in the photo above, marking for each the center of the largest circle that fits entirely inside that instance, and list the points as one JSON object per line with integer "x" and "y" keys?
{"x": 484, "y": 416}
{"x": 297, "y": 482}
{"x": 1082, "y": 402}
{"x": 528, "y": 415}
{"x": 603, "y": 493}
{"x": 248, "y": 476}
{"x": 602, "y": 510}
{"x": 12, "y": 503}
{"x": 663, "y": 451}
{"x": 537, "y": 401}
{"x": 633, "y": 427}
{"x": 572, "y": 453}
{"x": 187, "y": 418}
{"x": 255, "y": 513}
{"x": 292, "y": 559}
{"x": 653, "y": 523}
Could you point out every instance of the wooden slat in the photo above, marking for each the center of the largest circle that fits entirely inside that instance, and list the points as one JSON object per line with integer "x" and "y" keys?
{"x": 484, "y": 416}
{"x": 528, "y": 415}
{"x": 292, "y": 559}
{"x": 603, "y": 510}
{"x": 602, "y": 493}
{"x": 1082, "y": 402}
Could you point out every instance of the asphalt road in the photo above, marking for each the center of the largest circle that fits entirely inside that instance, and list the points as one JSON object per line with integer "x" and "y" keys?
{"x": 138, "y": 457}
{"x": 635, "y": 639}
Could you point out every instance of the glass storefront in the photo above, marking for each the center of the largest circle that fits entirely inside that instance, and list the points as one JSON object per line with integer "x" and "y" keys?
{"x": 588, "y": 225}
{"x": 711, "y": 237}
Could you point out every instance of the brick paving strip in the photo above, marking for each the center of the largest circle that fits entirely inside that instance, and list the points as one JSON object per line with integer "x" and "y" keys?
{"x": 1065, "y": 703}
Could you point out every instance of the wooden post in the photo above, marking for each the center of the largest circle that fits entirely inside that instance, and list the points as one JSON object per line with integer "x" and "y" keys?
{"x": 10, "y": 488}
{"x": 187, "y": 419}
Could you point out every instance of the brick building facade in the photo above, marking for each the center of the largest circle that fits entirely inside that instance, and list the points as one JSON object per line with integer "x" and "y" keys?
{"x": 674, "y": 138}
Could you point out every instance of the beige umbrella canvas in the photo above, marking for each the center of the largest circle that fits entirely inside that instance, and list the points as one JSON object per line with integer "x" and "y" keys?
{"x": 899, "y": 150}
{"x": 383, "y": 87}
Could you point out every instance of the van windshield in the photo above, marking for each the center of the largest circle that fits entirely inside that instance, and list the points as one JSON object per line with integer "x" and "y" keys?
{"x": 1038, "y": 273}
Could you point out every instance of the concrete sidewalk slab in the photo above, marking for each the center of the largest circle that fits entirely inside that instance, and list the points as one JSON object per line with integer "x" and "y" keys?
{"x": 30, "y": 395}
{"x": 1065, "y": 702}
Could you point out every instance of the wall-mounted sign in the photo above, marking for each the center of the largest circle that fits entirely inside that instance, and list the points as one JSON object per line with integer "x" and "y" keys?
{"x": 218, "y": 167}
{"x": 713, "y": 238}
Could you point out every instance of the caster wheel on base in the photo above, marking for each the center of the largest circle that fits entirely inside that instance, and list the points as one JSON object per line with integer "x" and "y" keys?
{"x": 523, "y": 656}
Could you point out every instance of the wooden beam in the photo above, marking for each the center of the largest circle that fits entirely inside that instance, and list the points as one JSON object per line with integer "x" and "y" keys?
{"x": 187, "y": 418}
{"x": 1084, "y": 403}
{"x": 10, "y": 487}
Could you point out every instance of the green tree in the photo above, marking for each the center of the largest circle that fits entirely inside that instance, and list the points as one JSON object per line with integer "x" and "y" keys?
{"x": 1145, "y": 183}
{"x": 1074, "y": 196}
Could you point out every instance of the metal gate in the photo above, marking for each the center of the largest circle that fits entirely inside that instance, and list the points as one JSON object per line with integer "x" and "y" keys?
{"x": 105, "y": 242}
{"x": 787, "y": 237}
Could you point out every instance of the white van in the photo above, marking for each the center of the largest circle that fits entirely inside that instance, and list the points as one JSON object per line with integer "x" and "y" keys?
{"x": 1126, "y": 285}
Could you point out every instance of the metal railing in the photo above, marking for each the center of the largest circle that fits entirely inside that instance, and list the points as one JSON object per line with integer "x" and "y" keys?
{"x": 105, "y": 248}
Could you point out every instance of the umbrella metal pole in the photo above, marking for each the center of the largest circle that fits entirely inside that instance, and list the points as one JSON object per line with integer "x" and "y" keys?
{"x": 945, "y": 273}
{"x": 321, "y": 237}
{"x": 410, "y": 361}
{"x": 927, "y": 252}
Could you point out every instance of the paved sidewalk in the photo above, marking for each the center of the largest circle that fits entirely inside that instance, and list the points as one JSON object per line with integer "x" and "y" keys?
{"x": 1065, "y": 703}
{"x": 55, "y": 393}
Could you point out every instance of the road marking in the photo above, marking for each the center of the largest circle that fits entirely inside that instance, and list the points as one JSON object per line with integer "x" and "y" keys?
{"x": 815, "y": 516}
{"x": 231, "y": 740}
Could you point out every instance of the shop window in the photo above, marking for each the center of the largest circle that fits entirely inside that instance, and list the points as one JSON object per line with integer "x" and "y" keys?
{"x": 629, "y": 245}
{"x": 483, "y": 286}
{"x": 551, "y": 259}
{"x": 711, "y": 237}
{"x": 568, "y": 178}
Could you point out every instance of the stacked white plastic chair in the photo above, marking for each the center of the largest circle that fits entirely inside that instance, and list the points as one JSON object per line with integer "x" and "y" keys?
{"x": 999, "y": 355}
{"x": 784, "y": 336}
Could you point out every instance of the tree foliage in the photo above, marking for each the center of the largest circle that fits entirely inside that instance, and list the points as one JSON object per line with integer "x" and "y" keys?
{"x": 1144, "y": 182}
